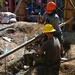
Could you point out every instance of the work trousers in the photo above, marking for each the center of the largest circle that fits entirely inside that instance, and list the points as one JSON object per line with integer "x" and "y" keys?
{"x": 53, "y": 69}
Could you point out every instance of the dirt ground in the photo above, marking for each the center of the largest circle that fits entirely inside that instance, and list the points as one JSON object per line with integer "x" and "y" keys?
{"x": 24, "y": 28}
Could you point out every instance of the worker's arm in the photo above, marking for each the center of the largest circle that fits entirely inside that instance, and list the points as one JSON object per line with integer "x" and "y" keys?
{"x": 42, "y": 20}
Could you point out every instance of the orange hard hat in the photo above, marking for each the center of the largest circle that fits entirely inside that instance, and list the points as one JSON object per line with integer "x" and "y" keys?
{"x": 50, "y": 7}
{"x": 32, "y": 12}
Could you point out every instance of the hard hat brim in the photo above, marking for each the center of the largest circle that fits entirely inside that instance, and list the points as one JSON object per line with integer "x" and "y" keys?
{"x": 49, "y": 31}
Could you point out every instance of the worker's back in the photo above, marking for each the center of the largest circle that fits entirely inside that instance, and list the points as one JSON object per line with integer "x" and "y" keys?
{"x": 52, "y": 48}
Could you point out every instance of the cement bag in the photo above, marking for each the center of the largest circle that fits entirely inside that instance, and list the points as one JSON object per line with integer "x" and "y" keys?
{"x": 9, "y": 14}
{"x": 5, "y": 20}
{"x": 13, "y": 20}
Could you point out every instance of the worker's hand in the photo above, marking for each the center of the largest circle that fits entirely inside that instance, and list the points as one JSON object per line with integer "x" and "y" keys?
{"x": 41, "y": 22}
{"x": 40, "y": 52}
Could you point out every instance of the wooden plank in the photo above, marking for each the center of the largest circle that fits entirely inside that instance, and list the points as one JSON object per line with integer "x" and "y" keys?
{"x": 22, "y": 11}
{"x": 67, "y": 14}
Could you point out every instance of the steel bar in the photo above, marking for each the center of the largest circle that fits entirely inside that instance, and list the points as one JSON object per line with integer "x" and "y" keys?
{"x": 7, "y": 27}
{"x": 33, "y": 40}
{"x": 68, "y": 60}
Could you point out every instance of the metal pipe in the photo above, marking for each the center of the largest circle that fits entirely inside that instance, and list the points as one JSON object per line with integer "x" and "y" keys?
{"x": 20, "y": 46}
{"x": 8, "y": 26}
{"x": 68, "y": 60}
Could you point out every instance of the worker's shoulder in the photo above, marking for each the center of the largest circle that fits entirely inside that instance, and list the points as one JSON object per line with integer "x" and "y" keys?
{"x": 56, "y": 40}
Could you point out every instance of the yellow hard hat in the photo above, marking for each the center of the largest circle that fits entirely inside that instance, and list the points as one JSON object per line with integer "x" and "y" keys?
{"x": 48, "y": 28}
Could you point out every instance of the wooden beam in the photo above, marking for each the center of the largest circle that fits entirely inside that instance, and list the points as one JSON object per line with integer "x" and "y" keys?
{"x": 72, "y": 4}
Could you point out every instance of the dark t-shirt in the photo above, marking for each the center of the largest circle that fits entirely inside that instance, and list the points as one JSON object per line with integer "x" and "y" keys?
{"x": 52, "y": 49}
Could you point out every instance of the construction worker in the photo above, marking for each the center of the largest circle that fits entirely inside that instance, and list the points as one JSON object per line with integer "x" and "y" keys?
{"x": 32, "y": 16}
{"x": 50, "y": 17}
{"x": 52, "y": 49}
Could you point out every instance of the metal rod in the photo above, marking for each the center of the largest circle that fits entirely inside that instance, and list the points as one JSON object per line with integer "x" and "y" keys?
{"x": 68, "y": 60}
{"x": 7, "y": 27}
{"x": 20, "y": 46}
